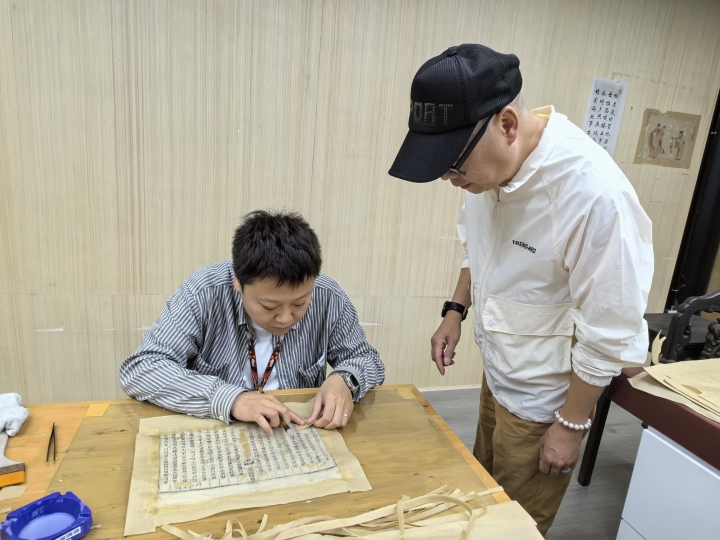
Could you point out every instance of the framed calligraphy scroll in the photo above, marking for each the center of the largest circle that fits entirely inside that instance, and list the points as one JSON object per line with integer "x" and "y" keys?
{"x": 604, "y": 112}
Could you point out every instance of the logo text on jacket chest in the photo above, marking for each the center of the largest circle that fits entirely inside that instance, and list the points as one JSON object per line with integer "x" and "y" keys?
{"x": 524, "y": 246}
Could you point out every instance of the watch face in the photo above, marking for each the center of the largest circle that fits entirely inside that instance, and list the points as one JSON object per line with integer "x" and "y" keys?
{"x": 350, "y": 382}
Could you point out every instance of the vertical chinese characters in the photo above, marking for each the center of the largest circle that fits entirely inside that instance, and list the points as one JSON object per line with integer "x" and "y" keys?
{"x": 231, "y": 456}
{"x": 602, "y": 118}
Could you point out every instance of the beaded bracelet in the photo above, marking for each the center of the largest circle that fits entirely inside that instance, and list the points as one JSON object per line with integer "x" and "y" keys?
{"x": 565, "y": 423}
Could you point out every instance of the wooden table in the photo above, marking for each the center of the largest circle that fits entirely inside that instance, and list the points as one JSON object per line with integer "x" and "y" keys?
{"x": 403, "y": 445}
{"x": 658, "y": 323}
{"x": 691, "y": 430}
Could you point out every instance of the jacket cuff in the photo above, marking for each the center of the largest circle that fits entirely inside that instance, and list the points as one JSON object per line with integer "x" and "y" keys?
{"x": 222, "y": 402}
{"x": 593, "y": 367}
{"x": 593, "y": 380}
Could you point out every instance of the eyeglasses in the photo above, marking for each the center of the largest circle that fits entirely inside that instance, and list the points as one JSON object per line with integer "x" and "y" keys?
{"x": 455, "y": 169}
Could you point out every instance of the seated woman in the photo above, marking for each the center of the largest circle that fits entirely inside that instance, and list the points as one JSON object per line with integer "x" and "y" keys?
{"x": 268, "y": 319}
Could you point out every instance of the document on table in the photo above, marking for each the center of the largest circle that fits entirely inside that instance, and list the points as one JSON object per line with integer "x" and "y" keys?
{"x": 195, "y": 460}
{"x": 188, "y": 468}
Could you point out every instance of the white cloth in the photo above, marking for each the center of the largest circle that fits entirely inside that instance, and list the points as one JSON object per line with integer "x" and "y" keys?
{"x": 12, "y": 414}
{"x": 563, "y": 251}
{"x": 263, "y": 351}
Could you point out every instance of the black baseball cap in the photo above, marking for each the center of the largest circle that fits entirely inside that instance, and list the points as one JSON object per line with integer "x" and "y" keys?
{"x": 450, "y": 94}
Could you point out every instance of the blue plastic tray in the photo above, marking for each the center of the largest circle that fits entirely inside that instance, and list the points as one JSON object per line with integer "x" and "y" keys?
{"x": 54, "y": 517}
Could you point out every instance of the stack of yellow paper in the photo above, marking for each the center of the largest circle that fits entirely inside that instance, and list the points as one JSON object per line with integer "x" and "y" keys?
{"x": 696, "y": 380}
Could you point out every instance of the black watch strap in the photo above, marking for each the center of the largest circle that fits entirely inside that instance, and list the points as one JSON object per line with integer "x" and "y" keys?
{"x": 454, "y": 306}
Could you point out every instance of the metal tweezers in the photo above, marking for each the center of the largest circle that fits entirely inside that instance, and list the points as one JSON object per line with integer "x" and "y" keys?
{"x": 51, "y": 442}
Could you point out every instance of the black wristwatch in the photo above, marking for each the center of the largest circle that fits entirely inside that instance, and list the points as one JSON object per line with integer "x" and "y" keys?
{"x": 454, "y": 306}
{"x": 350, "y": 381}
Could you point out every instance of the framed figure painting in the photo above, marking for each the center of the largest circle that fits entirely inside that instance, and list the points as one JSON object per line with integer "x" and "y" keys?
{"x": 667, "y": 138}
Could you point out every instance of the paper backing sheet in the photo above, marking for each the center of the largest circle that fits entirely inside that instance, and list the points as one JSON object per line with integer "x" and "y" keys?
{"x": 174, "y": 498}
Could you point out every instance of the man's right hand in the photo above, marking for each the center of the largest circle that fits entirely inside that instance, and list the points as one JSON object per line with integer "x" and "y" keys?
{"x": 444, "y": 341}
{"x": 264, "y": 410}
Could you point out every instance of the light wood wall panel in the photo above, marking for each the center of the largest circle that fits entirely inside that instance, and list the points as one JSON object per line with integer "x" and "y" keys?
{"x": 219, "y": 106}
{"x": 9, "y": 153}
{"x": 135, "y": 134}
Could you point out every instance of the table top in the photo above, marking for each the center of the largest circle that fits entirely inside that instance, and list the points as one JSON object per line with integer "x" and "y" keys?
{"x": 403, "y": 445}
{"x": 689, "y": 429}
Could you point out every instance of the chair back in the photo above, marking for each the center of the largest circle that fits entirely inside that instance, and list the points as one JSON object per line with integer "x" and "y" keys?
{"x": 678, "y": 337}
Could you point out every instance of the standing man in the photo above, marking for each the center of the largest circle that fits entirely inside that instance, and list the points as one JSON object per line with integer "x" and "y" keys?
{"x": 558, "y": 264}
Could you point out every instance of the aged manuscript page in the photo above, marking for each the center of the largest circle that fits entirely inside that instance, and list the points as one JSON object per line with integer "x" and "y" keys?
{"x": 237, "y": 456}
{"x": 188, "y": 468}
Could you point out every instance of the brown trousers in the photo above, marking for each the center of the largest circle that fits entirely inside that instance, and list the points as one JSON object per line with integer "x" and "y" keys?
{"x": 509, "y": 448}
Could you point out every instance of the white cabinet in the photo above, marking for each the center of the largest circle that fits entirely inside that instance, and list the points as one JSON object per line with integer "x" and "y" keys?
{"x": 673, "y": 494}
{"x": 626, "y": 532}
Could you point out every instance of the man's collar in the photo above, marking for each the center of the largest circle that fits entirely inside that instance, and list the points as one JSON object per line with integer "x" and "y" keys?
{"x": 537, "y": 157}
{"x": 242, "y": 317}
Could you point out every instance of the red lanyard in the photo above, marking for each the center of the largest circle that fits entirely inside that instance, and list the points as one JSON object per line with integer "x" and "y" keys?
{"x": 253, "y": 363}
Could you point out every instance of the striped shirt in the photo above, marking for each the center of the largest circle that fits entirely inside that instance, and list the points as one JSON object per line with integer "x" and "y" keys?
{"x": 191, "y": 360}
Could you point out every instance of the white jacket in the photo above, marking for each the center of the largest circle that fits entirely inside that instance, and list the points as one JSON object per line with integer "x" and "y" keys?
{"x": 563, "y": 251}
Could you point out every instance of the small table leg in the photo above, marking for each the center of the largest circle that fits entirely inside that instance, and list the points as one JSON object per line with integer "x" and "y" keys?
{"x": 593, "y": 441}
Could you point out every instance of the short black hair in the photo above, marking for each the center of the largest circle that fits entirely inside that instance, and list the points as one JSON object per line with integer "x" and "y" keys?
{"x": 277, "y": 245}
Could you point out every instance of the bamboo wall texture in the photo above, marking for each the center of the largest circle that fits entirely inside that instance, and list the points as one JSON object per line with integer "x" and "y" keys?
{"x": 134, "y": 134}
